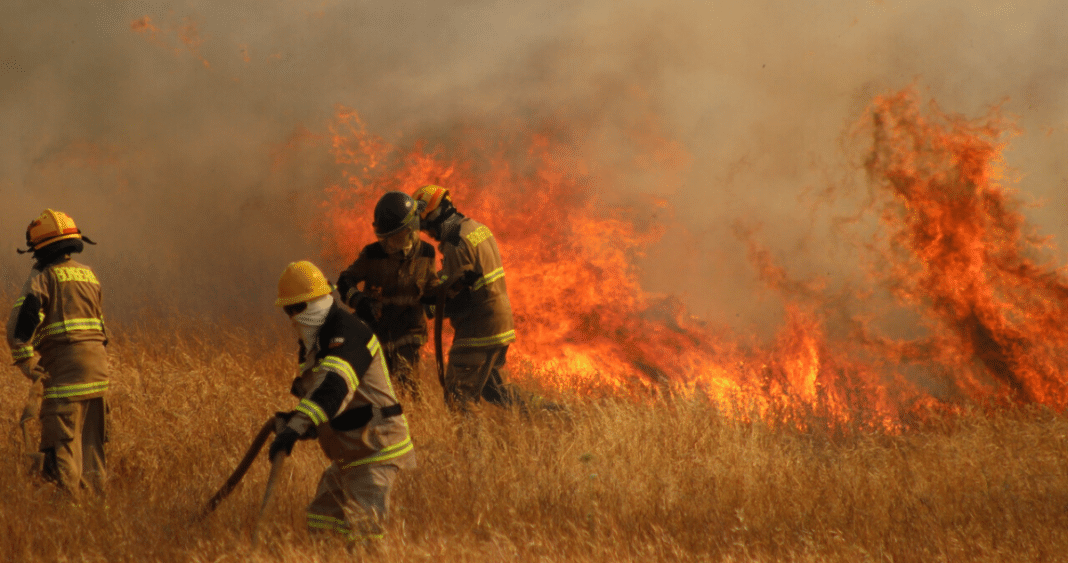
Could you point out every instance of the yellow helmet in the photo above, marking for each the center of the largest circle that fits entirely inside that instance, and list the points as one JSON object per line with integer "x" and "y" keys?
{"x": 431, "y": 195}
{"x": 51, "y": 226}
{"x": 300, "y": 282}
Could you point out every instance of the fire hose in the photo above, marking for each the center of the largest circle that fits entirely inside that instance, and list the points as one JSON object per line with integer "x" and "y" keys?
{"x": 439, "y": 321}
{"x": 265, "y": 432}
{"x": 276, "y": 468}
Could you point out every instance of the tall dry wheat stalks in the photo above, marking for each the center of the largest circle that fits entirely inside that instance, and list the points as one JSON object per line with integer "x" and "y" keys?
{"x": 610, "y": 480}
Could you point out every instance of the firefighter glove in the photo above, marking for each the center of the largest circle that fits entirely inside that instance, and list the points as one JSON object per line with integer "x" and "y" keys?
{"x": 367, "y": 308}
{"x": 281, "y": 418}
{"x": 468, "y": 278}
{"x": 283, "y": 442}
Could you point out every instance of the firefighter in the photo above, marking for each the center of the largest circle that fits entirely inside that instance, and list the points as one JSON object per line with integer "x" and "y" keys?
{"x": 477, "y": 303}
{"x": 56, "y": 334}
{"x": 348, "y": 403}
{"x": 385, "y": 283}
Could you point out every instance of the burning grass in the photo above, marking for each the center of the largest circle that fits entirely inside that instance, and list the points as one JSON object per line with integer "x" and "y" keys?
{"x": 951, "y": 247}
{"x": 678, "y": 442}
{"x": 614, "y": 479}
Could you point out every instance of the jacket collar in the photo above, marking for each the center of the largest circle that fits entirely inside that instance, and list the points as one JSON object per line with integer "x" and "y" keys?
{"x": 329, "y": 329}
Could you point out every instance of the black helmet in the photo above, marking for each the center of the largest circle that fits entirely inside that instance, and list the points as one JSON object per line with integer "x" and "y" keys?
{"x": 395, "y": 212}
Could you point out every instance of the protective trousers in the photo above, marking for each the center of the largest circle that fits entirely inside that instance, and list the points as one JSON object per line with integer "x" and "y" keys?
{"x": 353, "y": 501}
{"x": 474, "y": 374}
{"x": 73, "y": 434}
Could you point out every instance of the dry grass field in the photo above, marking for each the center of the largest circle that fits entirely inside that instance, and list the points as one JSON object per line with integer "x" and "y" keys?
{"x": 613, "y": 480}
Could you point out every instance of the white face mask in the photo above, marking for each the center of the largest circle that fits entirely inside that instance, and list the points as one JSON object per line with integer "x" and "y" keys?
{"x": 306, "y": 334}
{"x": 308, "y": 321}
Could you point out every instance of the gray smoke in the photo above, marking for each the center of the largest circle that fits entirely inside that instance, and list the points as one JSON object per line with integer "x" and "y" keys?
{"x": 194, "y": 163}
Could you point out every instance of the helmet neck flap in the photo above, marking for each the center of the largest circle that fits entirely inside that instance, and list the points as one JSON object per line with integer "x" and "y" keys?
{"x": 56, "y": 252}
{"x": 441, "y": 224}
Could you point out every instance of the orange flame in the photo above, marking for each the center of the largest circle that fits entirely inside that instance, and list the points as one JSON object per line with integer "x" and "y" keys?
{"x": 585, "y": 323}
{"x": 583, "y": 319}
{"x": 962, "y": 253}
{"x": 185, "y": 29}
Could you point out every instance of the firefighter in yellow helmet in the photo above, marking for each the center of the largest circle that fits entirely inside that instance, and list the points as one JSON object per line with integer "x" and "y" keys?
{"x": 387, "y": 280}
{"x": 56, "y": 334}
{"x": 477, "y": 307}
{"x": 348, "y": 403}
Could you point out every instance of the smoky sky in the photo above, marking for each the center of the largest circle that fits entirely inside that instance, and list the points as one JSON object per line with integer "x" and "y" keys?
{"x": 190, "y": 145}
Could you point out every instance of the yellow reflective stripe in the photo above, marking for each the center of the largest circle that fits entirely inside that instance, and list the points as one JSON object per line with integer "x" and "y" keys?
{"x": 69, "y": 274}
{"x": 396, "y": 450}
{"x": 488, "y": 278}
{"x": 502, "y": 338}
{"x": 331, "y": 524}
{"x": 475, "y": 237}
{"x": 68, "y": 391}
{"x": 72, "y": 324}
{"x": 336, "y": 364}
{"x": 312, "y": 410}
{"x": 323, "y": 522}
{"x": 374, "y": 347}
{"x": 320, "y": 525}
{"x": 22, "y": 353}
{"x": 69, "y": 326}
{"x": 385, "y": 371}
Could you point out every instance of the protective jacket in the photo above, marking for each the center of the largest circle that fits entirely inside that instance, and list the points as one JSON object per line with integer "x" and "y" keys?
{"x": 347, "y": 396}
{"x": 481, "y": 314}
{"x": 58, "y": 321}
{"x": 396, "y": 282}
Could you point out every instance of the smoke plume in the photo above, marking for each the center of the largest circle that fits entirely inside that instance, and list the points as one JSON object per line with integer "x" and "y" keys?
{"x": 190, "y": 138}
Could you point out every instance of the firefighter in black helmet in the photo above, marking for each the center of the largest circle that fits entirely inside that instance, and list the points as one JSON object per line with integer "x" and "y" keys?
{"x": 387, "y": 280}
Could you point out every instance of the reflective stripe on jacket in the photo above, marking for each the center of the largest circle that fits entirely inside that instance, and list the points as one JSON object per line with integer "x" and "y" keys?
{"x": 481, "y": 315}
{"x": 58, "y": 319}
{"x": 346, "y": 393}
